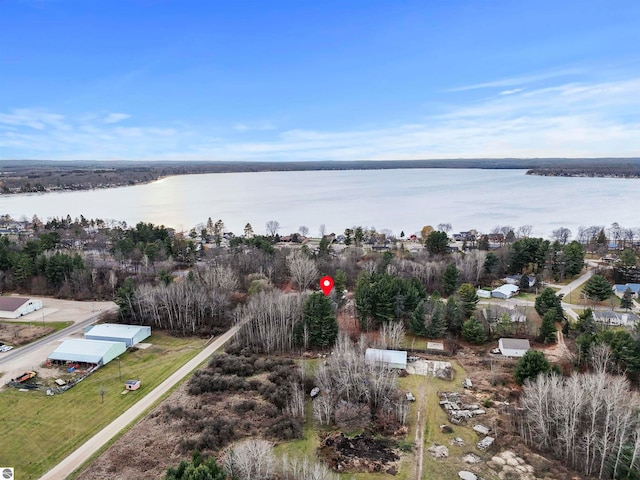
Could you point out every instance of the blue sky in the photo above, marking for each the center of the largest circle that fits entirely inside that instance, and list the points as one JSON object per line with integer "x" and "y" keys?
{"x": 331, "y": 80}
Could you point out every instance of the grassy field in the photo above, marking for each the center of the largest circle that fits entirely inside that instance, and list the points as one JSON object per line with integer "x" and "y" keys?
{"x": 39, "y": 431}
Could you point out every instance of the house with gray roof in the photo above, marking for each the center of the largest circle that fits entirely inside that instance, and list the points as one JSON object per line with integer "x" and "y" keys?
{"x": 513, "y": 347}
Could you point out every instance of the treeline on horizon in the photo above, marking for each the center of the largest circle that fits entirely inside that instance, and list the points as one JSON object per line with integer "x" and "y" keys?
{"x": 21, "y": 176}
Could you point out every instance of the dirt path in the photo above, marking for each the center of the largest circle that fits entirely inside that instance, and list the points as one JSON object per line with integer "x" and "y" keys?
{"x": 421, "y": 420}
{"x": 85, "y": 451}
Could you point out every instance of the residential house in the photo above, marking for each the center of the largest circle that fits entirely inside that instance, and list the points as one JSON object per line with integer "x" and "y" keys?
{"x": 513, "y": 347}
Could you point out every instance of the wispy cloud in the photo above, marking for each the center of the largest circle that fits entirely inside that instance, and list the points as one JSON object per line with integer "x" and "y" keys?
{"x": 512, "y": 91}
{"x": 568, "y": 120}
{"x": 516, "y": 81}
{"x": 116, "y": 117}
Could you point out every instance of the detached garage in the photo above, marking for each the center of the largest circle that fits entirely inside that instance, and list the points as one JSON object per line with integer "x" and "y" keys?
{"x": 113, "y": 332}
{"x": 15, "y": 307}
{"x": 94, "y": 352}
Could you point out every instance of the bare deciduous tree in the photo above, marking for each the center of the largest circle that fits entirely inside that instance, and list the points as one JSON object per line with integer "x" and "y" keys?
{"x": 250, "y": 460}
{"x": 587, "y": 420}
{"x": 391, "y": 335}
{"x": 303, "y": 269}
{"x": 272, "y": 227}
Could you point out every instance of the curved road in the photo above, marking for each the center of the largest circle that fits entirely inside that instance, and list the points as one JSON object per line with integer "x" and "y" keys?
{"x": 91, "y": 446}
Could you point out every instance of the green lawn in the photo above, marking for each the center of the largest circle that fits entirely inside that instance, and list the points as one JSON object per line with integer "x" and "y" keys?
{"x": 576, "y": 297}
{"x": 39, "y": 431}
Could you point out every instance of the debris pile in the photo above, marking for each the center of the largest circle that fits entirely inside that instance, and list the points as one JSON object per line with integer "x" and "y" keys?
{"x": 457, "y": 409}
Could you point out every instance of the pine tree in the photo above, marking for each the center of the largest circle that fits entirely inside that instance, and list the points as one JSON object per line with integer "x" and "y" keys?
{"x": 548, "y": 329}
{"x": 473, "y": 331}
{"x": 450, "y": 279}
{"x": 598, "y": 288}
{"x": 436, "y": 327}
{"x": 319, "y": 322}
{"x": 468, "y": 298}
{"x": 548, "y": 300}
{"x": 627, "y": 300}
{"x": 453, "y": 314}
{"x": 532, "y": 364}
{"x": 416, "y": 322}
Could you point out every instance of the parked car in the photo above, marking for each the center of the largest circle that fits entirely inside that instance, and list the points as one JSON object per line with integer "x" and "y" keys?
{"x": 495, "y": 350}
{"x": 5, "y": 348}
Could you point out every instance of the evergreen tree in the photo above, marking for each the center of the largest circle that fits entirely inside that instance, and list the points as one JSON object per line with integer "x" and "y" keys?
{"x": 453, "y": 314}
{"x": 468, "y": 298}
{"x": 417, "y": 320}
{"x": 319, "y": 322}
{"x": 548, "y": 329}
{"x": 627, "y": 300}
{"x": 450, "y": 279}
{"x": 197, "y": 469}
{"x": 532, "y": 364}
{"x": 437, "y": 242}
{"x": 524, "y": 283}
{"x": 574, "y": 258}
{"x": 339, "y": 286}
{"x": 473, "y": 331}
{"x": 598, "y": 288}
{"x": 548, "y": 300}
{"x": 436, "y": 326}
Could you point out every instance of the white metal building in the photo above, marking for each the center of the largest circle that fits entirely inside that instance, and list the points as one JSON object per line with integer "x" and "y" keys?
{"x": 15, "y": 307}
{"x": 505, "y": 291}
{"x": 113, "y": 332}
{"x": 386, "y": 358}
{"x": 88, "y": 351}
{"x": 513, "y": 347}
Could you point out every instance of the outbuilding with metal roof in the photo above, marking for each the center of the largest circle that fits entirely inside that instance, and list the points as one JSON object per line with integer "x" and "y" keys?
{"x": 94, "y": 352}
{"x": 114, "y": 332}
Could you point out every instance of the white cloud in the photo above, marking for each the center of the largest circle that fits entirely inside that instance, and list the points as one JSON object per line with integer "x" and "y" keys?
{"x": 564, "y": 120}
{"x": 515, "y": 81}
{"x": 116, "y": 117}
{"x": 512, "y": 91}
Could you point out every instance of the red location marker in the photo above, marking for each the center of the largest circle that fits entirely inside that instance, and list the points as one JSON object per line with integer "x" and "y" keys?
{"x": 326, "y": 284}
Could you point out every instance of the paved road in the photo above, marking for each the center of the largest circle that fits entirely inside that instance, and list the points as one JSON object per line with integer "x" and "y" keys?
{"x": 17, "y": 353}
{"x": 85, "y": 451}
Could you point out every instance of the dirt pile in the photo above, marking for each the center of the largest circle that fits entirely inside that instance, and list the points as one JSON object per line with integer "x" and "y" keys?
{"x": 360, "y": 453}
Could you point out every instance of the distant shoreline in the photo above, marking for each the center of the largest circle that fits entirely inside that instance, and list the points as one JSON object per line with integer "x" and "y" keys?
{"x": 31, "y": 176}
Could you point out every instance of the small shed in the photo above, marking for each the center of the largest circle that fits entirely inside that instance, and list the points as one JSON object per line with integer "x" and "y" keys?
{"x": 483, "y": 293}
{"x": 16, "y": 307}
{"x": 505, "y": 291}
{"x": 113, "y": 332}
{"x": 132, "y": 384}
{"x": 386, "y": 358}
{"x": 513, "y": 347}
